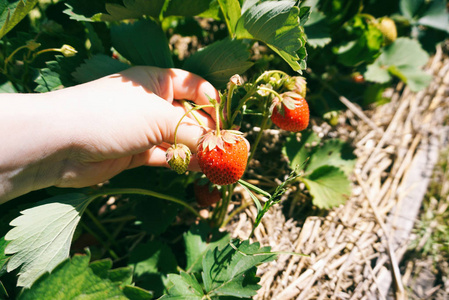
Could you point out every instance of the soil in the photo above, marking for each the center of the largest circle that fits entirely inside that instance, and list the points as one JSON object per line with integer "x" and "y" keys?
{"x": 356, "y": 250}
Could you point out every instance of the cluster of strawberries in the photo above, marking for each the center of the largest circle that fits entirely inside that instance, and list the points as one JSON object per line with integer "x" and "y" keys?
{"x": 223, "y": 154}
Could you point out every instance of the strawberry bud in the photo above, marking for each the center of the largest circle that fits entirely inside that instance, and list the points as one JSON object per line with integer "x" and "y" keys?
{"x": 178, "y": 158}
{"x": 68, "y": 51}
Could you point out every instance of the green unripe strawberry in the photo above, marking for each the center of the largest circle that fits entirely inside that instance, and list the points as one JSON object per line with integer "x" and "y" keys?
{"x": 297, "y": 84}
{"x": 388, "y": 29}
{"x": 178, "y": 157}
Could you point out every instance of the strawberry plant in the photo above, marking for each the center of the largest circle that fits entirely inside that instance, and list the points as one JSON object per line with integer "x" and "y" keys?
{"x": 142, "y": 235}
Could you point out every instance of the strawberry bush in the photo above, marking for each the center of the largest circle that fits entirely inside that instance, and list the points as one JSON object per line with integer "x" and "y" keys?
{"x": 152, "y": 233}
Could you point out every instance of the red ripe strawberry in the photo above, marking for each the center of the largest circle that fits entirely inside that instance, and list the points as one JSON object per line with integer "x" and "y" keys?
{"x": 291, "y": 113}
{"x": 223, "y": 156}
{"x": 206, "y": 193}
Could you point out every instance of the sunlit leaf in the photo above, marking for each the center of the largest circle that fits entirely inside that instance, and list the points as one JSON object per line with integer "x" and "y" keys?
{"x": 12, "y": 12}
{"x": 231, "y": 271}
{"x": 328, "y": 185}
{"x": 41, "y": 236}
{"x": 76, "y": 279}
{"x": 404, "y": 59}
{"x": 231, "y": 11}
{"x": 184, "y": 287}
{"x": 276, "y": 23}
{"x": 333, "y": 152}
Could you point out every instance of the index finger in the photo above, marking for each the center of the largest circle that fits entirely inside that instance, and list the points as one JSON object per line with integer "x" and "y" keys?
{"x": 186, "y": 85}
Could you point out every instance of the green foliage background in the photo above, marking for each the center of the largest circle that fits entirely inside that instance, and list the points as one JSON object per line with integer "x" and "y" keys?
{"x": 155, "y": 245}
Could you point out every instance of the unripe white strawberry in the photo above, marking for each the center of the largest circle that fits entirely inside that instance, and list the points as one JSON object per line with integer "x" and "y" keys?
{"x": 178, "y": 158}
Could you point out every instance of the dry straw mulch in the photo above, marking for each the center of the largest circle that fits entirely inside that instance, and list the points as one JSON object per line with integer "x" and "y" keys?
{"x": 353, "y": 251}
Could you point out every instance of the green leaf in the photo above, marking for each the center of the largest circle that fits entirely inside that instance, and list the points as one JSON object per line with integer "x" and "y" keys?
{"x": 317, "y": 30}
{"x": 198, "y": 240}
{"x": 3, "y": 257}
{"x": 393, "y": 62}
{"x": 409, "y": 8}
{"x": 186, "y": 8}
{"x": 185, "y": 287}
{"x": 41, "y": 236}
{"x": 298, "y": 151}
{"x": 7, "y": 87}
{"x": 142, "y": 43}
{"x": 85, "y": 10}
{"x": 136, "y": 293}
{"x": 98, "y": 66}
{"x": 276, "y": 23}
{"x": 152, "y": 262}
{"x": 231, "y": 271}
{"x": 133, "y": 9}
{"x": 219, "y": 61}
{"x": 364, "y": 44}
{"x": 156, "y": 214}
{"x": 328, "y": 185}
{"x": 333, "y": 152}
{"x": 152, "y": 257}
{"x": 436, "y": 16}
{"x": 74, "y": 279}
{"x": 47, "y": 81}
{"x": 12, "y": 12}
{"x": 3, "y": 260}
{"x": 231, "y": 12}
{"x": 426, "y": 13}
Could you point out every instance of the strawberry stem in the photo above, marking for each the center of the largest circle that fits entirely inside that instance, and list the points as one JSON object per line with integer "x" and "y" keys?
{"x": 137, "y": 191}
{"x": 268, "y": 73}
{"x": 217, "y": 116}
{"x": 229, "y": 102}
{"x": 263, "y": 126}
{"x": 271, "y": 91}
{"x": 188, "y": 112}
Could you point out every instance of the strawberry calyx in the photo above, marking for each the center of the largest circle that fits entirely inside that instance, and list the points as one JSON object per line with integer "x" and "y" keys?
{"x": 289, "y": 100}
{"x": 178, "y": 157}
{"x": 215, "y": 139}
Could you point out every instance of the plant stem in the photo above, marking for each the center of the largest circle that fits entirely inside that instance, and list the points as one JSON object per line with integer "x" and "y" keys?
{"x": 189, "y": 107}
{"x": 188, "y": 112}
{"x": 228, "y": 103}
{"x": 100, "y": 226}
{"x": 136, "y": 191}
{"x": 224, "y": 207}
{"x": 263, "y": 125}
{"x": 235, "y": 212}
{"x": 93, "y": 233}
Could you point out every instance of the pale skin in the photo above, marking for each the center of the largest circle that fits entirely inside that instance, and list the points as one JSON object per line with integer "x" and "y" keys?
{"x": 86, "y": 134}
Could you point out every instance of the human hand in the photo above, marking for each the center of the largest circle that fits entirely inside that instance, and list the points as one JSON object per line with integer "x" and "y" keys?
{"x": 128, "y": 120}
{"x": 86, "y": 134}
